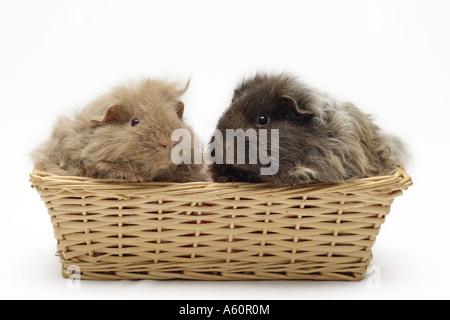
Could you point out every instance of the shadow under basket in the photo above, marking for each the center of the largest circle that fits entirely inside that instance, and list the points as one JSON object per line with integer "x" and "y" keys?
{"x": 110, "y": 229}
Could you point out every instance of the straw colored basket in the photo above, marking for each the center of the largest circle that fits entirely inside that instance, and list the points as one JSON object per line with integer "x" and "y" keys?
{"x": 109, "y": 229}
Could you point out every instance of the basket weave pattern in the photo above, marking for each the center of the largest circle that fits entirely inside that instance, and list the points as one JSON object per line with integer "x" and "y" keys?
{"x": 109, "y": 229}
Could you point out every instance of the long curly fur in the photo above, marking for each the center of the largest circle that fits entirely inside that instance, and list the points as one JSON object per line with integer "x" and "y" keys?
{"x": 100, "y": 141}
{"x": 320, "y": 139}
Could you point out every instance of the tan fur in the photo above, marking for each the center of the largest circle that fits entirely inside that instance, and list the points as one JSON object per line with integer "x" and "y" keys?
{"x": 99, "y": 141}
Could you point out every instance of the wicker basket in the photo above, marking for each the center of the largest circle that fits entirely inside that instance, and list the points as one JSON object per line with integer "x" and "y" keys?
{"x": 109, "y": 229}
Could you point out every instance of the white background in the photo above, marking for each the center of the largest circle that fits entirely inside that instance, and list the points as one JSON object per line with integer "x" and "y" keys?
{"x": 391, "y": 58}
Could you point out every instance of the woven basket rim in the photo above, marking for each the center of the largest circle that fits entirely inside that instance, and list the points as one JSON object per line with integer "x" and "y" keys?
{"x": 398, "y": 180}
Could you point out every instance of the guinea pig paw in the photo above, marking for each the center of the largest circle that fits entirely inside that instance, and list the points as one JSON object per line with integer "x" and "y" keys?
{"x": 224, "y": 179}
{"x": 134, "y": 178}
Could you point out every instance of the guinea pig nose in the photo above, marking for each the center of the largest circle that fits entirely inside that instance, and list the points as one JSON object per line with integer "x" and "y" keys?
{"x": 168, "y": 145}
{"x": 229, "y": 146}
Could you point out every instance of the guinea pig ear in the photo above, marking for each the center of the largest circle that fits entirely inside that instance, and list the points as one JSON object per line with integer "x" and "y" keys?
{"x": 179, "y": 108}
{"x": 114, "y": 114}
{"x": 291, "y": 103}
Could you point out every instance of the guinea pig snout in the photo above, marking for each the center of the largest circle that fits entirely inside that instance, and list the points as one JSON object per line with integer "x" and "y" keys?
{"x": 168, "y": 145}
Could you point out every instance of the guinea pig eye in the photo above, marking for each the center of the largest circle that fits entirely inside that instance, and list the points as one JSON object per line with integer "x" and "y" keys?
{"x": 134, "y": 122}
{"x": 262, "y": 120}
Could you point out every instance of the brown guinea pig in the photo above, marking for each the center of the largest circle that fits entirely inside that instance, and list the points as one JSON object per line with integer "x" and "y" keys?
{"x": 319, "y": 139}
{"x": 124, "y": 134}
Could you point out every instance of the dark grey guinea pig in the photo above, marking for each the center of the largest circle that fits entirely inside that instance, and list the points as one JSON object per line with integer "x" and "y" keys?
{"x": 320, "y": 140}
